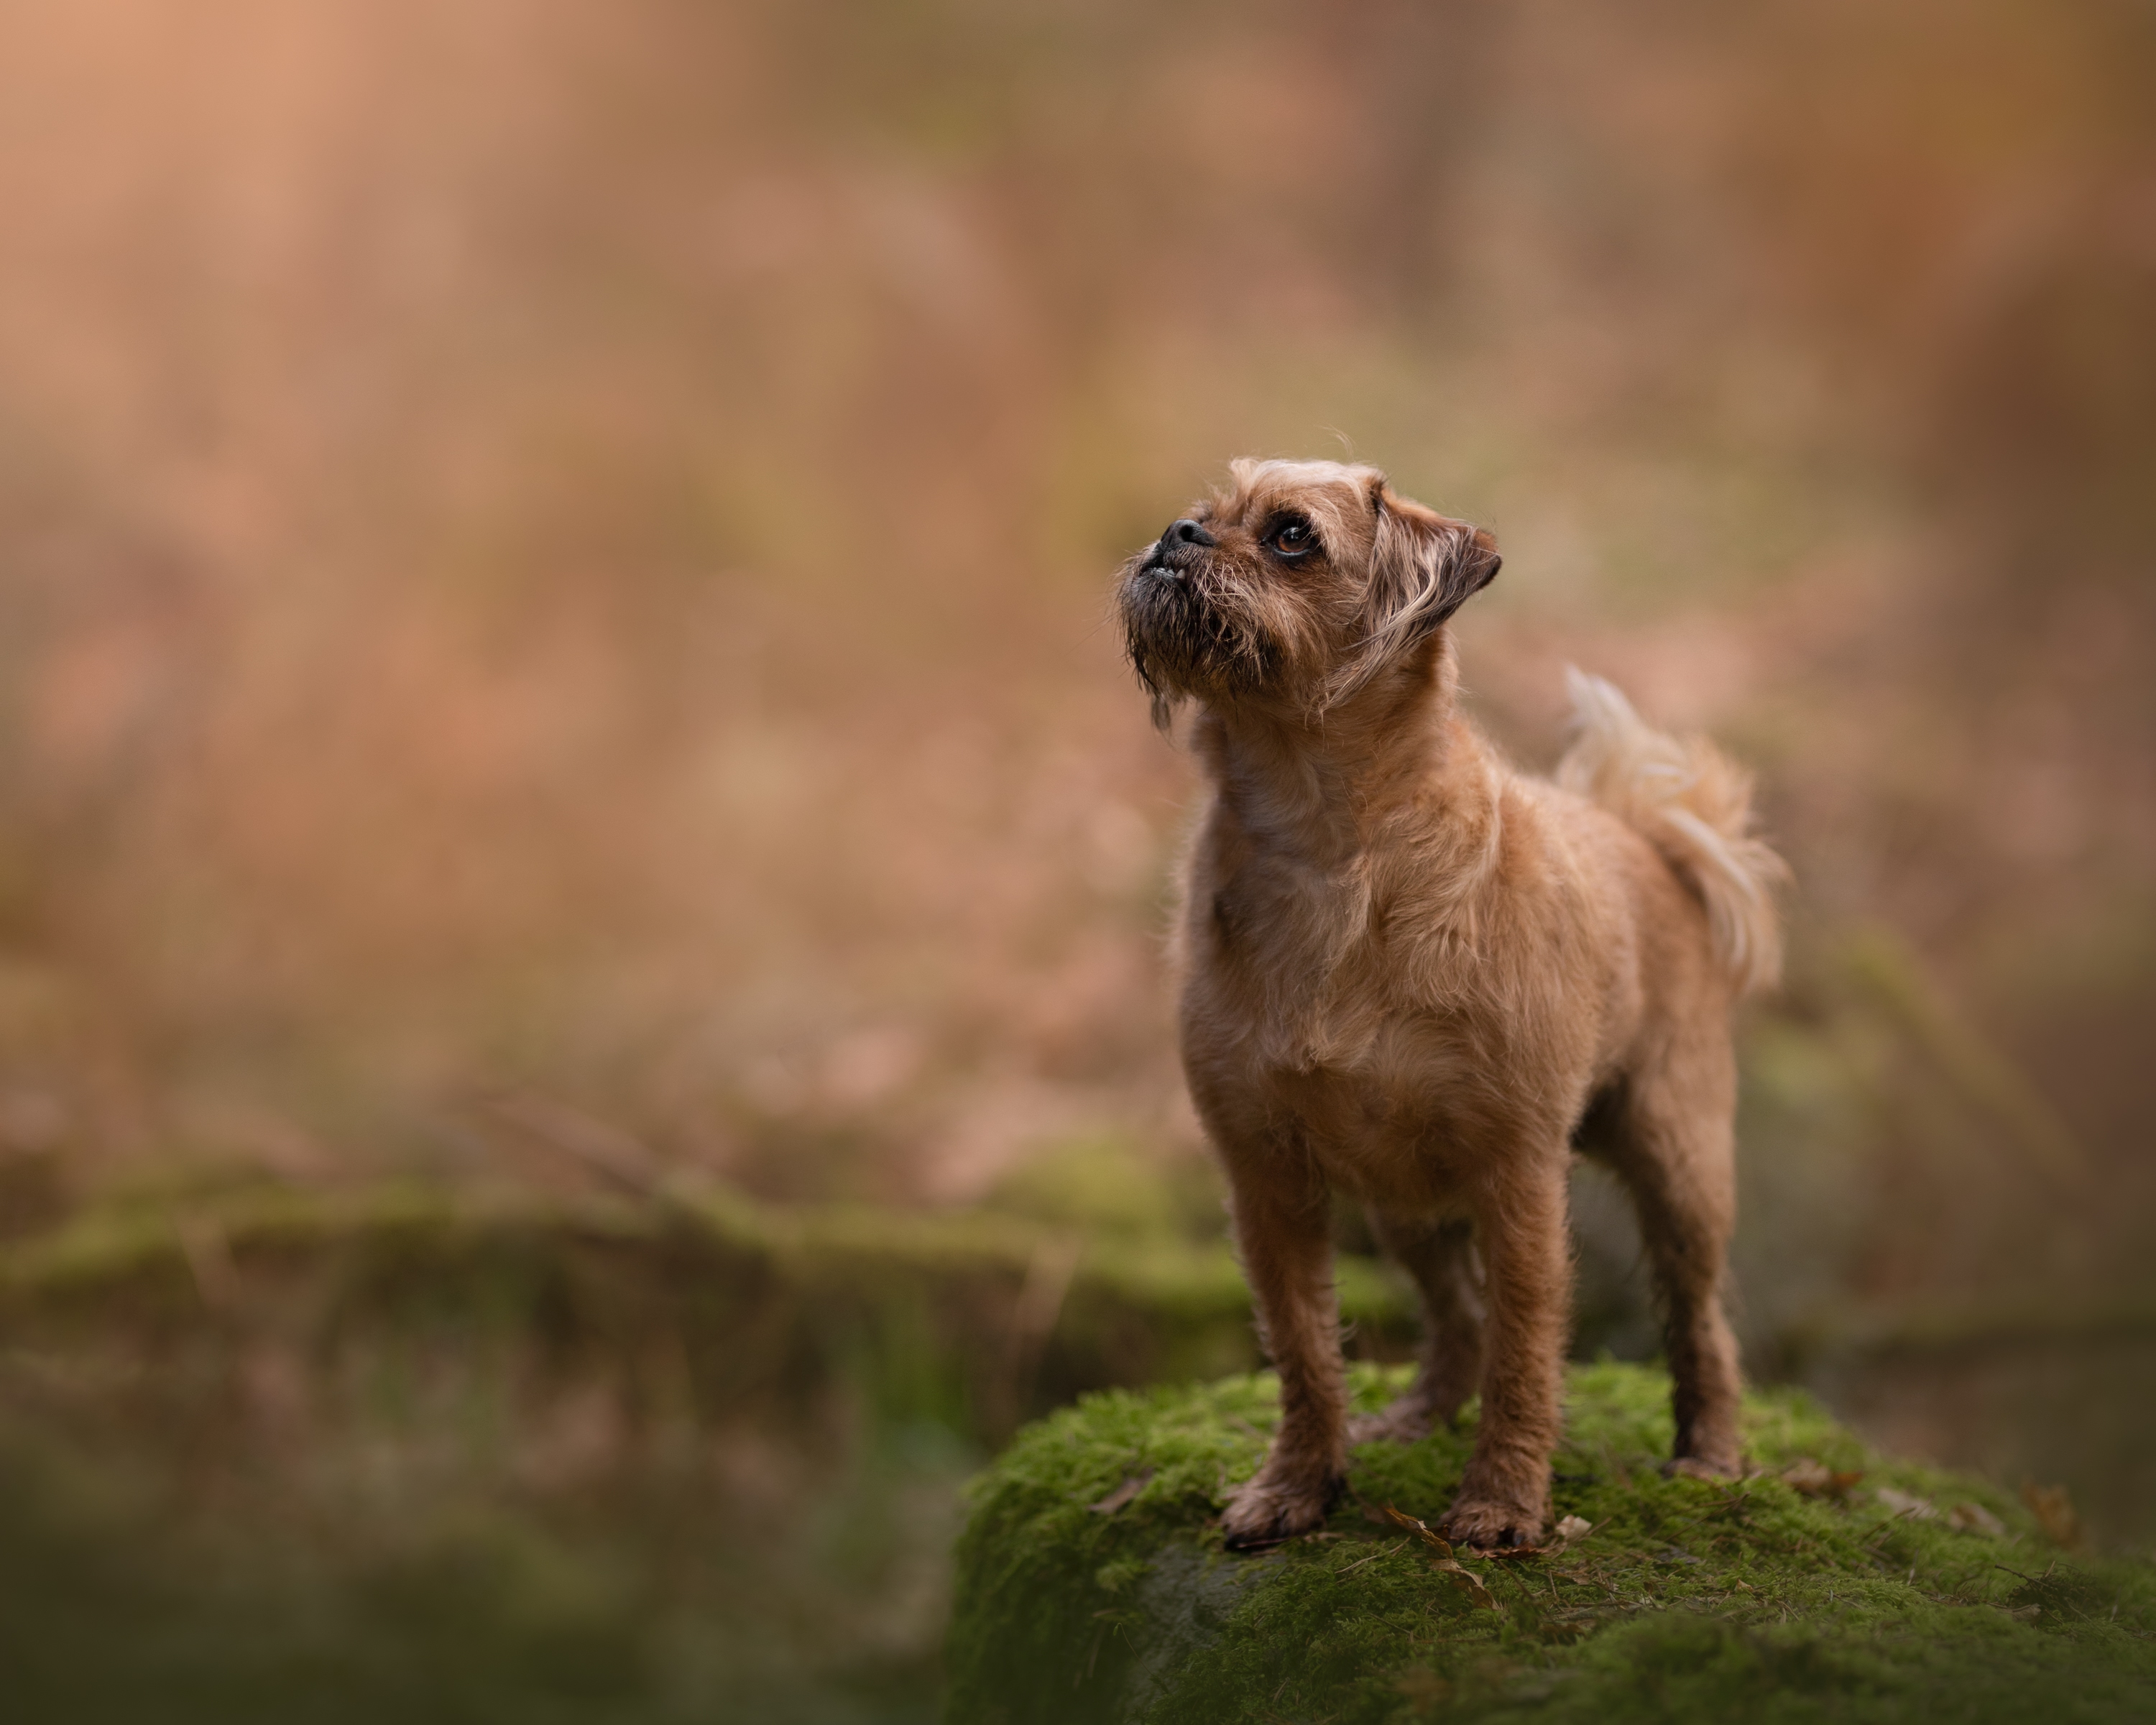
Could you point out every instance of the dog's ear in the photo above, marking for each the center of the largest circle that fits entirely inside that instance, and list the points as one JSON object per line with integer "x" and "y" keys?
{"x": 1423, "y": 568}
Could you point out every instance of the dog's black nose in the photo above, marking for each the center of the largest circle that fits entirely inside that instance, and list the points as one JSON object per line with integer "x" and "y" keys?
{"x": 1184, "y": 533}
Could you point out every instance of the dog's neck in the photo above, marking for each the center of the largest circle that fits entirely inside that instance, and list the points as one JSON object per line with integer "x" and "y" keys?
{"x": 1321, "y": 785}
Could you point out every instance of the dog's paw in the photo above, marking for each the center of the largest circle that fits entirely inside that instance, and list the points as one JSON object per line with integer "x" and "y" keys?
{"x": 1405, "y": 1422}
{"x": 1264, "y": 1511}
{"x": 1490, "y": 1524}
{"x": 1703, "y": 1467}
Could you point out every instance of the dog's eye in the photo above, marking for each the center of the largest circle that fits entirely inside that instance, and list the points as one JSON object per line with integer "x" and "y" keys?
{"x": 1292, "y": 538}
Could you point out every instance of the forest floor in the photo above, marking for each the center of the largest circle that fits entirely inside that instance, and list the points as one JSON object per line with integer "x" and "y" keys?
{"x": 1832, "y": 1584}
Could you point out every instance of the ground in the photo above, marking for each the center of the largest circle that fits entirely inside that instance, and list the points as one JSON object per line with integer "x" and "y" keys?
{"x": 1092, "y": 1584}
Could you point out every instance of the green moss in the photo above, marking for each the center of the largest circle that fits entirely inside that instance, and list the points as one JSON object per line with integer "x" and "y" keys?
{"x": 1688, "y": 1600}
{"x": 771, "y": 1304}
{"x": 1112, "y": 1186}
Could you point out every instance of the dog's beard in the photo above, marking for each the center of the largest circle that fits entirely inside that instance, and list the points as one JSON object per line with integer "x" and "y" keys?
{"x": 1195, "y": 631}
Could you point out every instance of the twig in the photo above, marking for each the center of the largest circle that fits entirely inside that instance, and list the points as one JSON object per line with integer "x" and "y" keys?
{"x": 1351, "y": 1569}
{"x": 599, "y": 1146}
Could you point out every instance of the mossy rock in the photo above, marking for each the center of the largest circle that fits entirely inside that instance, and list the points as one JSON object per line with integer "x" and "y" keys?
{"x": 1092, "y": 1584}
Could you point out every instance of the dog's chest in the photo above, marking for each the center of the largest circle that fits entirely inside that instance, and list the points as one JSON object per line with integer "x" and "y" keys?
{"x": 1295, "y": 943}
{"x": 1306, "y": 970}
{"x": 1312, "y": 999}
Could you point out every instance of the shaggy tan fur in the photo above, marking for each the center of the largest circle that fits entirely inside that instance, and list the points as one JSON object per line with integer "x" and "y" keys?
{"x": 1414, "y": 975}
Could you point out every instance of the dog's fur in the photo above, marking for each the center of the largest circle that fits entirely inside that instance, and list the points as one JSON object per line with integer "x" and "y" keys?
{"x": 1416, "y": 976}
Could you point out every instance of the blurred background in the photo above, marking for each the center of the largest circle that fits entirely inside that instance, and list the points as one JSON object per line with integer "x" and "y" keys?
{"x": 581, "y": 883}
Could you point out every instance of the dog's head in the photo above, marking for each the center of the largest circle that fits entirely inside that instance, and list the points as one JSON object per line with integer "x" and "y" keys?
{"x": 1297, "y": 587}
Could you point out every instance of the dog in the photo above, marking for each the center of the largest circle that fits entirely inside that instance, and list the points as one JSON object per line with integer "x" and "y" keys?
{"x": 1413, "y": 975}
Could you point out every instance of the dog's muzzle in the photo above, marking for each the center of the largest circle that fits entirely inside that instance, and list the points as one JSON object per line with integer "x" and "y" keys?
{"x": 1176, "y": 550}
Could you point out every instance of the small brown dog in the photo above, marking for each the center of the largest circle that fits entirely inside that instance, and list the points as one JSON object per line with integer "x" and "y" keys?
{"x": 1414, "y": 975}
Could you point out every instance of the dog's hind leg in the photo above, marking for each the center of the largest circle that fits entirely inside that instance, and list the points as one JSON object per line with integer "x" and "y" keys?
{"x": 1671, "y": 1140}
{"x": 1440, "y": 1256}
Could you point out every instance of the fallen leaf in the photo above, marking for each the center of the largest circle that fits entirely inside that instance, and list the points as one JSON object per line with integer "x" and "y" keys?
{"x": 1123, "y": 1493}
{"x": 1572, "y": 1528}
{"x": 2054, "y": 1511}
{"x": 1975, "y": 1518}
{"x": 1905, "y": 1503}
{"x": 1430, "y": 1536}
{"x": 1815, "y": 1478}
{"x": 1421, "y": 1530}
{"x": 1467, "y": 1581}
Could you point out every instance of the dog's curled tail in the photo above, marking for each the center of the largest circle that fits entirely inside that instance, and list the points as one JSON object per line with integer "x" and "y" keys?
{"x": 1694, "y": 804}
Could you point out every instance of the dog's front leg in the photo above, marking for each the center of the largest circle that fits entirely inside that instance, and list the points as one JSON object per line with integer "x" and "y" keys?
{"x": 1282, "y": 1227}
{"x": 1504, "y": 1497}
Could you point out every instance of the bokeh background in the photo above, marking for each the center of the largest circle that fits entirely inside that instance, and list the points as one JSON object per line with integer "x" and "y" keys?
{"x": 553, "y": 666}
